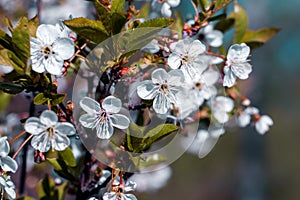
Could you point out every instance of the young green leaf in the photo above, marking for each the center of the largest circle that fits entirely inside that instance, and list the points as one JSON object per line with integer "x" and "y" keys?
{"x": 68, "y": 157}
{"x": 57, "y": 98}
{"x": 205, "y": 4}
{"x": 33, "y": 25}
{"x": 117, "y": 6}
{"x": 219, "y": 4}
{"x": 257, "y": 38}
{"x": 11, "y": 88}
{"x": 93, "y": 30}
{"x": 157, "y": 22}
{"x": 240, "y": 22}
{"x": 144, "y": 11}
{"x": 40, "y": 99}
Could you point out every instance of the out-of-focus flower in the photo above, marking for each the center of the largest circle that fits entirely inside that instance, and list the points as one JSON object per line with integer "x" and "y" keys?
{"x": 152, "y": 47}
{"x": 237, "y": 64}
{"x": 263, "y": 124}
{"x": 244, "y": 117}
{"x": 220, "y": 107}
{"x": 48, "y": 132}
{"x": 6, "y": 162}
{"x": 7, "y": 188}
{"x": 213, "y": 37}
{"x": 103, "y": 117}
{"x": 49, "y": 50}
{"x": 118, "y": 192}
{"x": 186, "y": 57}
{"x": 163, "y": 8}
{"x": 152, "y": 181}
{"x": 163, "y": 88}
{"x": 202, "y": 87}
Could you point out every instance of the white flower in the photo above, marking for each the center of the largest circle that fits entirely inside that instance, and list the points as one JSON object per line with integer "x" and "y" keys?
{"x": 244, "y": 118}
{"x": 186, "y": 57}
{"x": 237, "y": 64}
{"x": 6, "y": 162}
{"x": 220, "y": 107}
{"x": 152, "y": 181}
{"x": 64, "y": 31}
{"x": 166, "y": 7}
{"x": 49, "y": 50}
{"x": 163, "y": 89}
{"x": 118, "y": 192}
{"x": 48, "y": 132}
{"x": 202, "y": 87}
{"x": 103, "y": 117}
{"x": 213, "y": 37}
{"x": 7, "y": 186}
{"x": 262, "y": 125}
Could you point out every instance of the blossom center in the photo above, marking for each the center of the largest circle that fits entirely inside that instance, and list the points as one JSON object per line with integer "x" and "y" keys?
{"x": 164, "y": 88}
{"x": 102, "y": 117}
{"x": 198, "y": 85}
{"x": 50, "y": 131}
{"x": 47, "y": 51}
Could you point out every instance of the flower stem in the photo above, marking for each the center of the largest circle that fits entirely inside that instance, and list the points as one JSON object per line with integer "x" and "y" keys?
{"x": 216, "y": 55}
{"x": 20, "y": 147}
{"x": 17, "y": 137}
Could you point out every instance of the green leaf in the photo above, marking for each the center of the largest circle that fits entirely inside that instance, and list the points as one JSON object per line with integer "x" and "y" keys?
{"x": 21, "y": 41}
{"x": 157, "y": 133}
{"x": 157, "y": 22}
{"x": 117, "y": 22}
{"x": 11, "y": 88}
{"x": 33, "y": 25}
{"x": 134, "y": 136}
{"x": 240, "y": 22}
{"x": 46, "y": 188}
{"x": 62, "y": 190}
{"x": 93, "y": 30}
{"x": 4, "y": 101}
{"x": 103, "y": 14}
{"x": 144, "y": 11}
{"x": 149, "y": 161}
{"x": 40, "y": 99}
{"x": 224, "y": 24}
{"x": 219, "y": 4}
{"x": 117, "y": 6}
{"x": 26, "y": 198}
{"x": 5, "y": 40}
{"x": 57, "y": 98}
{"x": 177, "y": 25}
{"x": 258, "y": 37}
{"x": 205, "y": 5}
{"x": 68, "y": 157}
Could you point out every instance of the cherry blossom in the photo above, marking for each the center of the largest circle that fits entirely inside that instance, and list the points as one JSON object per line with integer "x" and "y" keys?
{"x": 48, "y": 132}
{"x": 237, "y": 64}
{"x": 49, "y": 50}
{"x": 163, "y": 88}
{"x": 6, "y": 162}
{"x": 186, "y": 57}
{"x": 7, "y": 188}
{"x": 103, "y": 117}
{"x": 244, "y": 117}
{"x": 263, "y": 124}
{"x": 213, "y": 37}
{"x": 220, "y": 107}
{"x": 119, "y": 190}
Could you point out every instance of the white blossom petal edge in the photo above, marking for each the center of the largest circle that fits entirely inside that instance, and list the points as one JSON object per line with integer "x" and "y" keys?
{"x": 103, "y": 117}
{"x": 48, "y": 132}
{"x": 263, "y": 124}
{"x": 49, "y": 50}
{"x": 237, "y": 64}
{"x": 6, "y": 162}
{"x": 7, "y": 187}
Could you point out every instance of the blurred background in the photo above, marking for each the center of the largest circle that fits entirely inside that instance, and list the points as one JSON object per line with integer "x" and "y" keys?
{"x": 243, "y": 165}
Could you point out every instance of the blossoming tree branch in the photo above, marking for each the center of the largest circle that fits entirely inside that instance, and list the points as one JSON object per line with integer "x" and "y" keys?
{"x": 146, "y": 79}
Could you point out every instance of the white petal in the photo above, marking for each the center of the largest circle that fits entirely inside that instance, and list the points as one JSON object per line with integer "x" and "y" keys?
{"x": 161, "y": 104}
{"x": 34, "y": 126}
{"x": 225, "y": 103}
{"x": 4, "y": 147}
{"x": 60, "y": 142}
{"x": 166, "y": 10}
{"x": 210, "y": 76}
{"x": 112, "y": 104}
{"x": 2, "y": 181}
{"x": 241, "y": 70}
{"x": 221, "y": 116}
{"x": 198, "y": 64}
{"x": 64, "y": 48}
{"x": 105, "y": 130}
{"x": 128, "y": 197}
{"x": 41, "y": 142}
{"x": 119, "y": 121}
{"x": 238, "y": 53}
{"x": 182, "y": 47}
{"x": 48, "y": 118}
{"x": 130, "y": 186}
{"x": 173, "y": 3}
{"x": 110, "y": 196}
{"x": 196, "y": 48}
{"x": 174, "y": 61}
{"x": 65, "y": 128}
{"x": 88, "y": 121}
{"x": 8, "y": 164}
{"x": 251, "y": 111}
{"x": 47, "y": 33}
{"x": 147, "y": 90}
{"x": 90, "y": 105}
{"x": 215, "y": 38}
{"x": 262, "y": 126}
{"x": 244, "y": 119}
{"x": 208, "y": 92}
{"x": 159, "y": 76}
{"x": 229, "y": 78}
{"x": 176, "y": 77}
{"x": 10, "y": 193}
{"x": 53, "y": 64}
